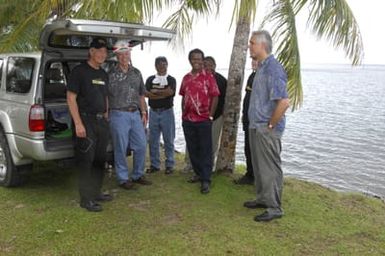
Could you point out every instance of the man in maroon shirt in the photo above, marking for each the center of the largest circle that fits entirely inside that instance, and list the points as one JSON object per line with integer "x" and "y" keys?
{"x": 199, "y": 92}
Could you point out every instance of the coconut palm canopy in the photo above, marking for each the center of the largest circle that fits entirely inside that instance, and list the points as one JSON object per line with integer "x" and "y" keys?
{"x": 333, "y": 20}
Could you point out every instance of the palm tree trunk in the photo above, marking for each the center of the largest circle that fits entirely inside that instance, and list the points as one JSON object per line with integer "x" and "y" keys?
{"x": 226, "y": 155}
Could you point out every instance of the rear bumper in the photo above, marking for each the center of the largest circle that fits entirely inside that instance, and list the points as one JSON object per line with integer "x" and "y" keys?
{"x": 25, "y": 150}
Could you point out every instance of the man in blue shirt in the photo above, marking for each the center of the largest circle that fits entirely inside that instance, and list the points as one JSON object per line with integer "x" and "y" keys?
{"x": 268, "y": 104}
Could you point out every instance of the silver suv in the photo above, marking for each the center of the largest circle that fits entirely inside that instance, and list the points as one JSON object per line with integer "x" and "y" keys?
{"x": 34, "y": 119}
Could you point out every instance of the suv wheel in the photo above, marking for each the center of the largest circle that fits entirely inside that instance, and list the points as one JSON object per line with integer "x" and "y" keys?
{"x": 10, "y": 175}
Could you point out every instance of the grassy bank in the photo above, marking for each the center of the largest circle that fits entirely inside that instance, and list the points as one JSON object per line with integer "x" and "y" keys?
{"x": 173, "y": 218}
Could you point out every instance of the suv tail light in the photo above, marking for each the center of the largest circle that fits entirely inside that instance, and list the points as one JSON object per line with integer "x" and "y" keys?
{"x": 36, "y": 118}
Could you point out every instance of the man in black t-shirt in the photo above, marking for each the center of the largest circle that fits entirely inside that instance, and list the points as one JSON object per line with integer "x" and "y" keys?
{"x": 248, "y": 178}
{"x": 161, "y": 91}
{"x": 87, "y": 102}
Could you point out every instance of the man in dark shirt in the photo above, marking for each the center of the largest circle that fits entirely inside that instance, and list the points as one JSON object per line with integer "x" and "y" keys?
{"x": 248, "y": 178}
{"x": 161, "y": 91}
{"x": 87, "y": 102}
{"x": 210, "y": 65}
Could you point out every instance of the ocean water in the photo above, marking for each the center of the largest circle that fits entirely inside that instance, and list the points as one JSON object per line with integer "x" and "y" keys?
{"x": 337, "y": 138}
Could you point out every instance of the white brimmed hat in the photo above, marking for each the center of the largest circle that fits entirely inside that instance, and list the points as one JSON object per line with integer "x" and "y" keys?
{"x": 121, "y": 46}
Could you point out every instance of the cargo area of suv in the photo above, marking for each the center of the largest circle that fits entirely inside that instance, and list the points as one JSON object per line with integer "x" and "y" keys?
{"x": 58, "y": 132}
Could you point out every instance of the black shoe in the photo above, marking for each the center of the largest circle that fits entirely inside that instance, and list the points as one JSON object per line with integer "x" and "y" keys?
{"x": 128, "y": 185}
{"x": 169, "y": 170}
{"x": 152, "y": 169}
{"x": 205, "y": 187}
{"x": 91, "y": 206}
{"x": 104, "y": 198}
{"x": 244, "y": 180}
{"x": 142, "y": 181}
{"x": 194, "y": 179}
{"x": 267, "y": 216}
{"x": 253, "y": 205}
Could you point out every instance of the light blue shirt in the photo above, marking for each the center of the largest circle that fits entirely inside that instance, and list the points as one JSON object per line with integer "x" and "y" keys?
{"x": 269, "y": 85}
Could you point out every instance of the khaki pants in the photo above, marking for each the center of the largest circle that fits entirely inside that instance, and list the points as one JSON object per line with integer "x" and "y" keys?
{"x": 266, "y": 148}
{"x": 216, "y": 138}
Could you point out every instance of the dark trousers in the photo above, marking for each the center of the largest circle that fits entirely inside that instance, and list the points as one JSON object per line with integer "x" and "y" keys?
{"x": 249, "y": 165}
{"x": 199, "y": 146}
{"x": 91, "y": 154}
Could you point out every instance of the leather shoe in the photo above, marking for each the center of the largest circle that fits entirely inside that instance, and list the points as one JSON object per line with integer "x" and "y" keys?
{"x": 253, "y": 205}
{"x": 244, "y": 180}
{"x": 128, "y": 185}
{"x": 152, "y": 169}
{"x": 267, "y": 216}
{"x": 205, "y": 187}
{"x": 194, "y": 179}
{"x": 104, "y": 198}
{"x": 91, "y": 206}
{"x": 169, "y": 170}
{"x": 142, "y": 181}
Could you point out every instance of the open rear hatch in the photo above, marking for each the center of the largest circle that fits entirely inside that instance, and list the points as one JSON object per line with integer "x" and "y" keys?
{"x": 77, "y": 34}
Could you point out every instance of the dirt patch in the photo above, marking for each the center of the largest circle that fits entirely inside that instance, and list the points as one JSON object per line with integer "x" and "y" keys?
{"x": 141, "y": 205}
{"x": 19, "y": 206}
{"x": 172, "y": 219}
{"x": 6, "y": 246}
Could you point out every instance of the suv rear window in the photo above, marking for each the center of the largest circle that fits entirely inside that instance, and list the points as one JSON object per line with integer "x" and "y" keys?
{"x": 19, "y": 74}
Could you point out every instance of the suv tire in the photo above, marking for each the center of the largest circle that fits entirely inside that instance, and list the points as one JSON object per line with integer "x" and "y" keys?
{"x": 10, "y": 174}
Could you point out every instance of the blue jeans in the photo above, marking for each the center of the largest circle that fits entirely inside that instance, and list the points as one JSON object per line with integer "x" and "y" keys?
{"x": 199, "y": 145}
{"x": 127, "y": 130}
{"x": 162, "y": 122}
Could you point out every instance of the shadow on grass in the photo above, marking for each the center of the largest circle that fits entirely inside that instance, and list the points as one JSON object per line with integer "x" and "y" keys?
{"x": 49, "y": 174}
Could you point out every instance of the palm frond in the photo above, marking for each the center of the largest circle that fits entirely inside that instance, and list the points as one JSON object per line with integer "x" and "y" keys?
{"x": 21, "y": 30}
{"x": 282, "y": 17}
{"x": 148, "y": 8}
{"x": 181, "y": 22}
{"x": 182, "y": 19}
{"x": 138, "y": 11}
{"x": 334, "y": 20}
{"x": 120, "y": 10}
{"x": 22, "y": 35}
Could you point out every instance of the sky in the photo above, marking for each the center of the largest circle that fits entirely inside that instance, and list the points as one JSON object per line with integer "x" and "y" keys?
{"x": 214, "y": 38}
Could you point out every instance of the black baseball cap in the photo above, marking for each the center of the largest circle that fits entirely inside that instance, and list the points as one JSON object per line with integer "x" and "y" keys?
{"x": 98, "y": 42}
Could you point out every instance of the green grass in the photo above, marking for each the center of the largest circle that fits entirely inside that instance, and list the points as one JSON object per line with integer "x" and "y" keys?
{"x": 171, "y": 217}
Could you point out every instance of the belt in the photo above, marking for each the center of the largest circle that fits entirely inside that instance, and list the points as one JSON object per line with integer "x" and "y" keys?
{"x": 97, "y": 116}
{"x": 160, "y": 109}
{"x": 126, "y": 109}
